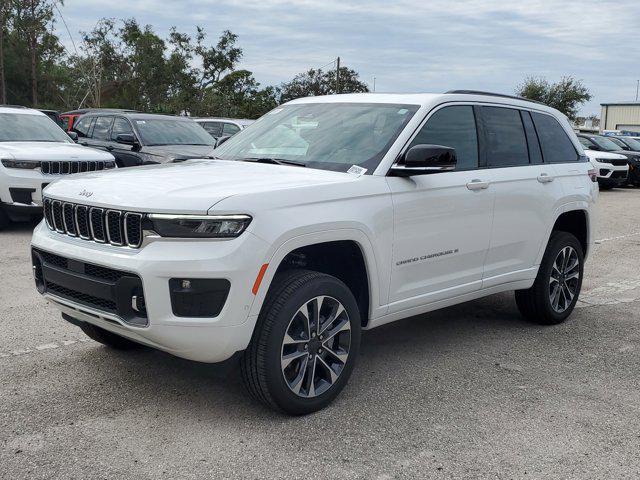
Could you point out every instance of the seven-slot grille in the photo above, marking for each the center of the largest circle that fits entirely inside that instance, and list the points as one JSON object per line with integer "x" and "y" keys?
{"x": 65, "y": 167}
{"x": 94, "y": 223}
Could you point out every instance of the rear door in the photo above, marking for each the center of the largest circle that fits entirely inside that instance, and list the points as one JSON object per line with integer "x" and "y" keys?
{"x": 442, "y": 221}
{"x": 526, "y": 192}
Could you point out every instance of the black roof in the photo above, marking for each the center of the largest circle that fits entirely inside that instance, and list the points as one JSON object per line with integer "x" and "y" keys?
{"x": 139, "y": 116}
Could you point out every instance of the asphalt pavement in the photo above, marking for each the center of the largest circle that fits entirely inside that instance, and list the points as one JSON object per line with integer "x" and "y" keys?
{"x": 472, "y": 391}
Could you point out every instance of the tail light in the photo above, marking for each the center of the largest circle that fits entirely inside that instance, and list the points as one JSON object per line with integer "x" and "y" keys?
{"x": 593, "y": 174}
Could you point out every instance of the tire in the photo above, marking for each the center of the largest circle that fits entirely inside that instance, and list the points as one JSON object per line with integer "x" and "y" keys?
{"x": 536, "y": 303}
{"x": 107, "y": 338}
{"x": 4, "y": 219}
{"x": 262, "y": 365}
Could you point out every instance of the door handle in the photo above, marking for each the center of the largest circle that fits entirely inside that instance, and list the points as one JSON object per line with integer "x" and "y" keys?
{"x": 545, "y": 178}
{"x": 477, "y": 184}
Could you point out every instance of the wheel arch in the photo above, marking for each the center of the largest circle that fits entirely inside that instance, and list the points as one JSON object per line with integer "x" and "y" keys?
{"x": 572, "y": 218}
{"x": 355, "y": 265}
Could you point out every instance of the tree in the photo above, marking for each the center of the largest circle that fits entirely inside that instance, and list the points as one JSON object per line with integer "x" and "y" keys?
{"x": 567, "y": 95}
{"x": 318, "y": 82}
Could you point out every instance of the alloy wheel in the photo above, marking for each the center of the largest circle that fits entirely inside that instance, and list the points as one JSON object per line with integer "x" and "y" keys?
{"x": 316, "y": 346}
{"x": 564, "y": 279}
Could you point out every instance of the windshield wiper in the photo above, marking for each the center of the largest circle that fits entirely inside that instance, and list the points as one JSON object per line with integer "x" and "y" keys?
{"x": 274, "y": 161}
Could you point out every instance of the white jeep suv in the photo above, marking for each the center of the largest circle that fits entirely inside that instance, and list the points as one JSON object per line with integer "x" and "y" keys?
{"x": 330, "y": 215}
{"x": 34, "y": 151}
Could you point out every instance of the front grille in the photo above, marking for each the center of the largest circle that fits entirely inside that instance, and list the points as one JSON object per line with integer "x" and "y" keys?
{"x": 66, "y": 167}
{"x": 618, "y": 163}
{"x": 93, "y": 223}
{"x": 83, "y": 298}
{"x": 619, "y": 174}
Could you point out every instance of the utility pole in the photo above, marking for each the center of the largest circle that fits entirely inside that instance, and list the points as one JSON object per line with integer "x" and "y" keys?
{"x": 374, "y": 83}
{"x": 637, "y": 88}
{"x": 338, "y": 75}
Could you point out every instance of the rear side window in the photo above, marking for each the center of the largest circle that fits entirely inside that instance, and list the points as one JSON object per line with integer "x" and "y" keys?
{"x": 453, "y": 127}
{"x": 230, "y": 129}
{"x": 101, "y": 128}
{"x": 555, "y": 143}
{"x": 213, "y": 128}
{"x": 82, "y": 126}
{"x": 535, "y": 155}
{"x": 506, "y": 140}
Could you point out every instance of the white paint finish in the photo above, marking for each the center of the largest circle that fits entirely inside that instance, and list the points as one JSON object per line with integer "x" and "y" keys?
{"x": 524, "y": 209}
{"x": 450, "y": 229}
{"x": 438, "y": 216}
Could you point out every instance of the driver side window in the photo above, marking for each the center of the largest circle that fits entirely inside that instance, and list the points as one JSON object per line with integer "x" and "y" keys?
{"x": 453, "y": 127}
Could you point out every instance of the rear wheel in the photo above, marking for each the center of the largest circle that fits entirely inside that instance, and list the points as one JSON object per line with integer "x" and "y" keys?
{"x": 107, "y": 338}
{"x": 305, "y": 344}
{"x": 555, "y": 291}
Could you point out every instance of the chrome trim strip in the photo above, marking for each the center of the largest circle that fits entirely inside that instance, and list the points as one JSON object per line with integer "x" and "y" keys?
{"x": 86, "y": 215}
{"x": 93, "y": 233}
{"x": 53, "y": 215}
{"x": 170, "y": 216}
{"x": 126, "y": 229}
{"x": 64, "y": 219}
{"x": 106, "y": 221}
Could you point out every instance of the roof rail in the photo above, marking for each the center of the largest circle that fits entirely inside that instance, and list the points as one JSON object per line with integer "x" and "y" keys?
{"x": 6, "y": 105}
{"x": 491, "y": 94}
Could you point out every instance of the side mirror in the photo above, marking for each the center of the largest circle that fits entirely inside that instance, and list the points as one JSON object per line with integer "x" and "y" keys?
{"x": 73, "y": 136}
{"x": 594, "y": 147}
{"x": 126, "y": 139}
{"x": 221, "y": 140}
{"x": 426, "y": 159}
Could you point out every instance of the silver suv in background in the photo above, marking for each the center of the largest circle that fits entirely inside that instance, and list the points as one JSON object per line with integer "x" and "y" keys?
{"x": 223, "y": 127}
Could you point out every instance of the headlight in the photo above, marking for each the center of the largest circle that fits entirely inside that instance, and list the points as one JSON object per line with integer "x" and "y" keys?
{"x": 26, "y": 164}
{"x": 199, "y": 226}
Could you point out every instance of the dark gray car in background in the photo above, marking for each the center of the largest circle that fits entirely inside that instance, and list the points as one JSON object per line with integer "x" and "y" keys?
{"x": 144, "y": 138}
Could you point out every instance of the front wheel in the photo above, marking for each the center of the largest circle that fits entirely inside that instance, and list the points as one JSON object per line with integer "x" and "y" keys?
{"x": 555, "y": 291}
{"x": 305, "y": 343}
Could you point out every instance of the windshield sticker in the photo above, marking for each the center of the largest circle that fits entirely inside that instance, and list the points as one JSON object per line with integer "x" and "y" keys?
{"x": 140, "y": 121}
{"x": 402, "y": 111}
{"x": 356, "y": 170}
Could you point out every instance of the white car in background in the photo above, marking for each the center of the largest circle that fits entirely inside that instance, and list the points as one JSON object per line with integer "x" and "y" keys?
{"x": 34, "y": 152}
{"x": 612, "y": 169}
{"x": 223, "y": 127}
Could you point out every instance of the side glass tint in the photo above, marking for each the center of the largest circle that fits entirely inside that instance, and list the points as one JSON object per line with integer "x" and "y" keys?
{"x": 506, "y": 140}
{"x": 535, "y": 155}
{"x": 101, "y": 128}
{"x": 453, "y": 127}
{"x": 82, "y": 126}
{"x": 555, "y": 143}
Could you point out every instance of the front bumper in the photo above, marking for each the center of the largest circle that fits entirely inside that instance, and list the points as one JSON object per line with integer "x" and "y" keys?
{"x": 196, "y": 338}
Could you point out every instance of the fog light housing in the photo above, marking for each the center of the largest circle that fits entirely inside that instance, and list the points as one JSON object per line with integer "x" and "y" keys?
{"x": 198, "y": 297}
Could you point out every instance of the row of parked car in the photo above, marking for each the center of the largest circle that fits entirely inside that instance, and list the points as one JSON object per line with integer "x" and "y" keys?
{"x": 34, "y": 151}
{"x": 615, "y": 158}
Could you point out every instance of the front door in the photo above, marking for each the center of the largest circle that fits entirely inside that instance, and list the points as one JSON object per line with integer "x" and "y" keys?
{"x": 442, "y": 221}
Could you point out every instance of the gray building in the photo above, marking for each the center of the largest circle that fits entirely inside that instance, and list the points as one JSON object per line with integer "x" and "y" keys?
{"x": 620, "y": 116}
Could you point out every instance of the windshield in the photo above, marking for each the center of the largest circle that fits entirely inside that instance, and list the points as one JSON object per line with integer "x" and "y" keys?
{"x": 169, "y": 131}
{"x": 21, "y": 127}
{"x": 633, "y": 144}
{"x": 328, "y": 136}
{"x": 606, "y": 144}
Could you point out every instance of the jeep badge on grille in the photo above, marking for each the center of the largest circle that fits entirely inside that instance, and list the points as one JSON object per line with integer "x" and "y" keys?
{"x": 85, "y": 193}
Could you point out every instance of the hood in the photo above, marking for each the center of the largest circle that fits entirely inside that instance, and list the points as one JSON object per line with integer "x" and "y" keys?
{"x": 629, "y": 154}
{"x": 186, "y": 187}
{"x": 171, "y": 152}
{"x": 595, "y": 154}
{"x": 51, "y": 151}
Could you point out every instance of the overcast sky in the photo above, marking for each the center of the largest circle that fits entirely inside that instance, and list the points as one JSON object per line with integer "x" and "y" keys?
{"x": 411, "y": 45}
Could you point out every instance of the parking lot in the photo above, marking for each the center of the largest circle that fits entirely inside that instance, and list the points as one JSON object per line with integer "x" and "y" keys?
{"x": 470, "y": 391}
